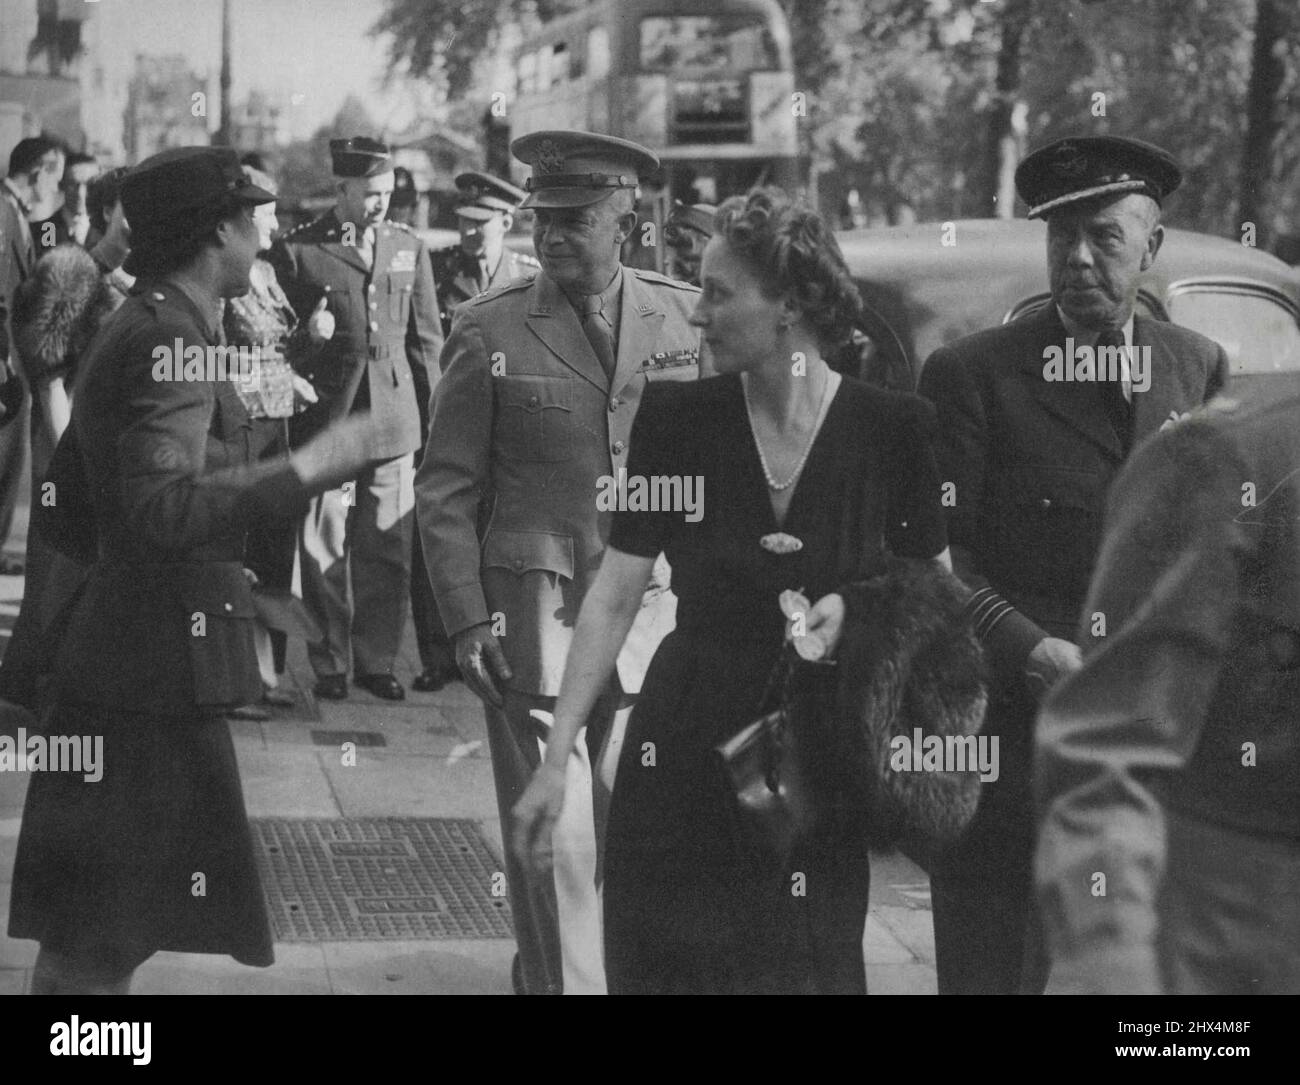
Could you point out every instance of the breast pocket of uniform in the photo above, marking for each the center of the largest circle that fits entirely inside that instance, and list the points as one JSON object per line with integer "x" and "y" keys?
{"x": 534, "y": 419}
{"x": 1049, "y": 516}
{"x": 399, "y": 299}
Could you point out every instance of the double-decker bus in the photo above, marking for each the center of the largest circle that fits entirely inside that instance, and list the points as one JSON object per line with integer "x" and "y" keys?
{"x": 708, "y": 86}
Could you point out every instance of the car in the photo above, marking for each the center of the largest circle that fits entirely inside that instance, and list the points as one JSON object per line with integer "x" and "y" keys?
{"x": 927, "y": 284}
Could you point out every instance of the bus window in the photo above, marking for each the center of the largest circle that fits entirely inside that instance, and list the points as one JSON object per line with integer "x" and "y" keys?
{"x": 598, "y": 52}
{"x": 706, "y": 42}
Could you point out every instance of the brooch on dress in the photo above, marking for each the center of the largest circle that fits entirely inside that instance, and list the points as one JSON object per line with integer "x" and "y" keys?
{"x": 780, "y": 543}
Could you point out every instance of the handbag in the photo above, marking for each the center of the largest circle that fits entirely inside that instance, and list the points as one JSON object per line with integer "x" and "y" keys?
{"x": 766, "y": 768}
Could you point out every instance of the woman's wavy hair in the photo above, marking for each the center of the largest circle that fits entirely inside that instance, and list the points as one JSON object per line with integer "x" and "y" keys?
{"x": 792, "y": 251}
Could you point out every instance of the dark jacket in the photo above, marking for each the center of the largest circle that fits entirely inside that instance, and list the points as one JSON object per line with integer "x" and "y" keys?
{"x": 165, "y": 624}
{"x": 1190, "y": 701}
{"x": 455, "y": 274}
{"x": 1031, "y": 460}
{"x": 384, "y": 352}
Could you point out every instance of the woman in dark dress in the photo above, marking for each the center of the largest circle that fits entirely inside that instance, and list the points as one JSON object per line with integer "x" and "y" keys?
{"x": 142, "y": 844}
{"x": 809, "y": 479}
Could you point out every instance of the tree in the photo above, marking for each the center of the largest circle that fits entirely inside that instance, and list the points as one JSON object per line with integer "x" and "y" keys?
{"x": 444, "y": 38}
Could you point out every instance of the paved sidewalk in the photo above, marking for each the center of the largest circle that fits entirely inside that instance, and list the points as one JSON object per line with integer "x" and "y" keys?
{"x": 435, "y": 764}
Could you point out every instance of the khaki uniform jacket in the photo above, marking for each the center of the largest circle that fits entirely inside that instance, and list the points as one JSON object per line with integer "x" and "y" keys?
{"x": 167, "y": 469}
{"x": 1190, "y": 701}
{"x": 386, "y": 333}
{"x": 525, "y": 418}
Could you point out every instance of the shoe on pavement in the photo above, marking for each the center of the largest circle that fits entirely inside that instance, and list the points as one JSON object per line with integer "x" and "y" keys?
{"x": 432, "y": 679}
{"x": 384, "y": 686}
{"x": 332, "y": 687}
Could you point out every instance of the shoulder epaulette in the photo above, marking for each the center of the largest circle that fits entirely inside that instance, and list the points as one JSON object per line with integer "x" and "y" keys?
{"x": 398, "y": 226}
{"x": 305, "y": 231}
{"x": 524, "y": 258}
{"x": 662, "y": 280}
{"x": 504, "y": 288}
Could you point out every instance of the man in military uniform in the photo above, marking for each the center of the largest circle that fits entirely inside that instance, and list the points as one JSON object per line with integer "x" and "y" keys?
{"x": 1030, "y": 452}
{"x": 480, "y": 262}
{"x": 541, "y": 380}
{"x": 1169, "y": 763}
{"x": 686, "y": 232}
{"x": 365, "y": 288}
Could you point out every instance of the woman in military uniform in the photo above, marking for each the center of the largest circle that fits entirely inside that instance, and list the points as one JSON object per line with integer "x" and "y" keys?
{"x": 150, "y": 849}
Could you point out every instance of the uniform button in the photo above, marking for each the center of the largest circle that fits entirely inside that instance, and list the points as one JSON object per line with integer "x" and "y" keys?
{"x": 615, "y": 403}
{"x": 518, "y": 563}
{"x": 228, "y": 607}
{"x": 1044, "y": 503}
{"x": 374, "y": 325}
{"x": 618, "y": 448}
{"x": 158, "y": 297}
{"x": 533, "y": 401}
{"x": 374, "y": 305}
{"x": 371, "y": 288}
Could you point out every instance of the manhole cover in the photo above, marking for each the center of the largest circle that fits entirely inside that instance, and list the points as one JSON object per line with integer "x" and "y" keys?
{"x": 374, "y": 879}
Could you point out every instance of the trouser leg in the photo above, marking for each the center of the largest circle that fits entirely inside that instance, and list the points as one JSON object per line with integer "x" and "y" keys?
{"x": 982, "y": 895}
{"x": 323, "y": 556}
{"x": 558, "y": 920}
{"x": 431, "y": 638}
{"x": 513, "y": 745}
{"x": 381, "y": 563}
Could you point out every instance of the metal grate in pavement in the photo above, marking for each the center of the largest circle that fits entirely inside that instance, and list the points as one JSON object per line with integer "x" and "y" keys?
{"x": 378, "y": 879}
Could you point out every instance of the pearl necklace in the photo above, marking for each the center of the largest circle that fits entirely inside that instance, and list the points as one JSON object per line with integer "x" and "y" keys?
{"x": 798, "y": 467}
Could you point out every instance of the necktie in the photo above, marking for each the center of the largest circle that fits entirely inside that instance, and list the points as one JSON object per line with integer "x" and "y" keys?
{"x": 599, "y": 332}
{"x": 1118, "y": 408}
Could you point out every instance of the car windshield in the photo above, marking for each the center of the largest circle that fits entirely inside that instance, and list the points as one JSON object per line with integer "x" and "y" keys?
{"x": 1258, "y": 334}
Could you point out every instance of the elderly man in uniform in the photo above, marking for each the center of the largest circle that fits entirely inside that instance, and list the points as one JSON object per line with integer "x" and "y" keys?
{"x": 366, "y": 290}
{"x": 1168, "y": 767}
{"x": 1030, "y": 446}
{"x": 541, "y": 379}
{"x": 480, "y": 262}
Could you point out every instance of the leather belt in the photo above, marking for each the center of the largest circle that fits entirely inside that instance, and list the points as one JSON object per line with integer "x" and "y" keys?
{"x": 377, "y": 351}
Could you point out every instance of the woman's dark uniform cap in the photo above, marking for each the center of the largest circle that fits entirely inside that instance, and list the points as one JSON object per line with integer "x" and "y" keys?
{"x": 165, "y": 189}
{"x": 360, "y": 156}
{"x": 574, "y": 169}
{"x": 483, "y": 195}
{"x": 1094, "y": 167}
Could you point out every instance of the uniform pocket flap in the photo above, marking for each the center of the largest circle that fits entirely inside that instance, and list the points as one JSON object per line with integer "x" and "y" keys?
{"x": 534, "y": 394}
{"x": 520, "y": 551}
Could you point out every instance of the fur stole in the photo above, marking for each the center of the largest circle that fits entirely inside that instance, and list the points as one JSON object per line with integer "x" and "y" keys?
{"x": 910, "y": 662}
{"x": 57, "y": 311}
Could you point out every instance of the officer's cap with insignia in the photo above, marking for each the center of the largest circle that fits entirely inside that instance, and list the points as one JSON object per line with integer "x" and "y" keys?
{"x": 574, "y": 169}
{"x": 1094, "y": 168}
{"x": 360, "y": 156}
{"x": 482, "y": 195}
